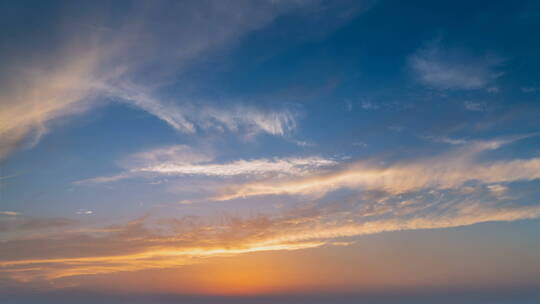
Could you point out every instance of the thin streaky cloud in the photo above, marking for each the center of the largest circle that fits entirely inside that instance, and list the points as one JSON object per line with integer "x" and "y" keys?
{"x": 11, "y": 213}
{"x": 190, "y": 117}
{"x": 137, "y": 246}
{"x": 529, "y": 89}
{"x": 446, "y": 171}
{"x": 452, "y": 69}
{"x": 285, "y": 166}
{"x": 181, "y": 160}
{"x": 475, "y": 106}
{"x": 103, "y": 64}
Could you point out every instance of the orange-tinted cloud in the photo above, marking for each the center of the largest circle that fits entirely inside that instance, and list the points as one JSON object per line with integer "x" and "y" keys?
{"x": 157, "y": 244}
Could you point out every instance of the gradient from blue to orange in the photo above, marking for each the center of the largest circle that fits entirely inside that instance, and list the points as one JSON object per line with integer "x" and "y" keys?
{"x": 271, "y": 151}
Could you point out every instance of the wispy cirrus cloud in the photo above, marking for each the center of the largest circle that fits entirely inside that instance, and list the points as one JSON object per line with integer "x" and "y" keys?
{"x": 128, "y": 57}
{"x": 165, "y": 243}
{"x": 251, "y": 120}
{"x": 11, "y": 213}
{"x": 181, "y": 160}
{"x": 529, "y": 89}
{"x": 454, "y": 69}
{"x": 32, "y": 97}
{"x": 498, "y": 190}
{"x": 475, "y": 106}
{"x": 446, "y": 171}
{"x": 285, "y": 166}
{"x": 193, "y": 116}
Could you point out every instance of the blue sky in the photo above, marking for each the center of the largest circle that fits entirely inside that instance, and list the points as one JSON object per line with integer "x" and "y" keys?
{"x": 171, "y": 135}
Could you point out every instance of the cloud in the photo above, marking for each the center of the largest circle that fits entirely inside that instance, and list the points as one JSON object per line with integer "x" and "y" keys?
{"x": 498, "y": 190}
{"x": 369, "y": 105}
{"x": 12, "y": 213}
{"x": 447, "y": 140}
{"x": 84, "y": 212}
{"x": 190, "y": 117}
{"x": 493, "y": 89}
{"x": 177, "y": 154}
{"x": 164, "y": 243}
{"x": 285, "y": 166}
{"x": 35, "y": 96}
{"x": 528, "y": 89}
{"x": 251, "y": 119}
{"x": 475, "y": 106}
{"x": 128, "y": 57}
{"x": 454, "y": 69}
{"x": 446, "y": 171}
{"x": 181, "y": 160}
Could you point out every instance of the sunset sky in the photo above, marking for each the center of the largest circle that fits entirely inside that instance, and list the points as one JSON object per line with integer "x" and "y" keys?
{"x": 269, "y": 151}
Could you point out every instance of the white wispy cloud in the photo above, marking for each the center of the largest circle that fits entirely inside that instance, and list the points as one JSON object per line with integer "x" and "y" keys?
{"x": 251, "y": 119}
{"x": 175, "y": 154}
{"x": 454, "y": 69}
{"x": 12, "y": 213}
{"x": 127, "y": 59}
{"x": 284, "y": 166}
{"x": 181, "y": 160}
{"x": 192, "y": 116}
{"x": 446, "y": 171}
{"x": 369, "y": 105}
{"x": 447, "y": 140}
{"x": 498, "y": 190}
{"x": 529, "y": 89}
{"x": 475, "y": 106}
{"x": 84, "y": 212}
{"x": 493, "y": 89}
{"x": 170, "y": 113}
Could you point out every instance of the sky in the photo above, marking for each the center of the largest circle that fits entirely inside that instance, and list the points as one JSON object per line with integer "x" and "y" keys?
{"x": 269, "y": 151}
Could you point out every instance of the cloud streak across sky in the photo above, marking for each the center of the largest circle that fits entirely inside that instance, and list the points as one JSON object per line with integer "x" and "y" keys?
{"x": 447, "y": 171}
{"x": 181, "y": 160}
{"x": 143, "y": 244}
{"x": 104, "y": 62}
{"x": 453, "y": 68}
